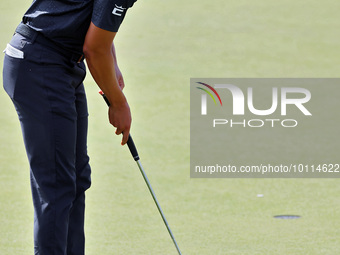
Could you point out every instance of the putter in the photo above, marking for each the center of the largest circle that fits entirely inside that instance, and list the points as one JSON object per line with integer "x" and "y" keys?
{"x": 135, "y": 156}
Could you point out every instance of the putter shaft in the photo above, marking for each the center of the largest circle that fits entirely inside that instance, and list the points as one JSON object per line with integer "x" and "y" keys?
{"x": 157, "y": 204}
{"x": 135, "y": 156}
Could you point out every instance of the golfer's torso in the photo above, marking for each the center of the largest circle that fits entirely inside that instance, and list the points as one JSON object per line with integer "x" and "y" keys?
{"x": 63, "y": 21}
{"x": 66, "y": 21}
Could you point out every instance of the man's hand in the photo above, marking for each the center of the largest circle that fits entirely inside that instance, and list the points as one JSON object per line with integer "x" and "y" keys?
{"x": 120, "y": 117}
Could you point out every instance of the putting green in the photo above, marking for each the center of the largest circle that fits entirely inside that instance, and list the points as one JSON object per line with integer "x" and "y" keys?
{"x": 161, "y": 45}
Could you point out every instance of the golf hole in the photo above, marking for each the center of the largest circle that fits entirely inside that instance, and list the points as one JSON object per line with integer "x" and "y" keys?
{"x": 287, "y": 217}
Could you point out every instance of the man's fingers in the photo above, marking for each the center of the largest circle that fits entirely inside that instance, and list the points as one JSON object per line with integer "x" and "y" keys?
{"x": 121, "y": 83}
{"x": 125, "y": 137}
{"x": 120, "y": 118}
{"x": 118, "y": 131}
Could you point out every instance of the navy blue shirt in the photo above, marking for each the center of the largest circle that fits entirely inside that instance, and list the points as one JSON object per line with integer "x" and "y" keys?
{"x": 67, "y": 21}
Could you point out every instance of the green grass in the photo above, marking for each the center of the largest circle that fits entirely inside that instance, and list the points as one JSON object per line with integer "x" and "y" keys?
{"x": 161, "y": 45}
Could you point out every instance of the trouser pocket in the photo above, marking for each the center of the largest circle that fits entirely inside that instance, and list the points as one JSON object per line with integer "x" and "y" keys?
{"x": 14, "y": 66}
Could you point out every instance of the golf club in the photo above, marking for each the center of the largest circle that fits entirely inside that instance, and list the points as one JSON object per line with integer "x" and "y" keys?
{"x": 135, "y": 156}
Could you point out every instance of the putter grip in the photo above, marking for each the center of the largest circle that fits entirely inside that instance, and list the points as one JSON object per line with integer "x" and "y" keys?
{"x": 132, "y": 148}
{"x": 130, "y": 142}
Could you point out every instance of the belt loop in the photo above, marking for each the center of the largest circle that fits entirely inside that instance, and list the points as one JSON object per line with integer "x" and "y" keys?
{"x": 35, "y": 35}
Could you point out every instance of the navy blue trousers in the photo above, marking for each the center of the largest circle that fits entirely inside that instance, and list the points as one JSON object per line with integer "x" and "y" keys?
{"x": 48, "y": 94}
